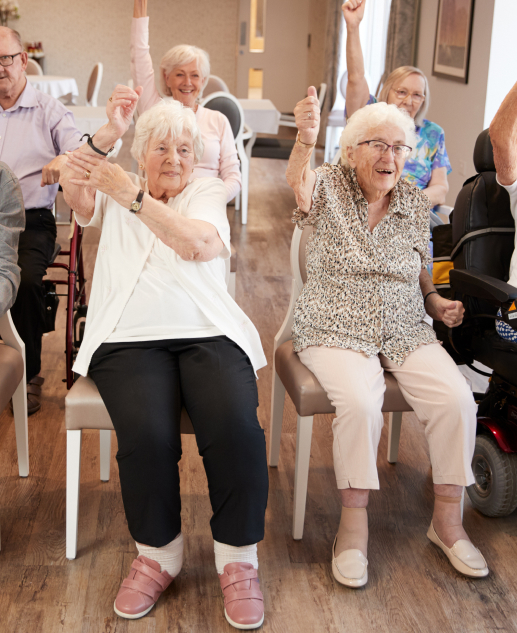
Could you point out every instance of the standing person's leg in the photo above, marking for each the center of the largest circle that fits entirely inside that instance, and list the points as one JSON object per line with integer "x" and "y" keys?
{"x": 355, "y": 385}
{"x": 220, "y": 394}
{"x": 139, "y": 383}
{"x": 35, "y": 251}
{"x": 438, "y": 393}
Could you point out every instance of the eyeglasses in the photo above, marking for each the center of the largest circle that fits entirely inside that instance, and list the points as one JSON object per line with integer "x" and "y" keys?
{"x": 403, "y": 94}
{"x": 380, "y": 147}
{"x": 8, "y": 60}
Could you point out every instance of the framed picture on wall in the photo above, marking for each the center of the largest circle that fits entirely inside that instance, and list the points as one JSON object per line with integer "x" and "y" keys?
{"x": 452, "y": 43}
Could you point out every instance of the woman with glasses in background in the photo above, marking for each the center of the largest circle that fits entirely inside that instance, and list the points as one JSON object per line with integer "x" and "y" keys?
{"x": 361, "y": 312}
{"x": 406, "y": 87}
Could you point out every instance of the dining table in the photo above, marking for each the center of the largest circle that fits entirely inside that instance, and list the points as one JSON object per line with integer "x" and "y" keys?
{"x": 89, "y": 119}
{"x": 54, "y": 85}
{"x": 260, "y": 117}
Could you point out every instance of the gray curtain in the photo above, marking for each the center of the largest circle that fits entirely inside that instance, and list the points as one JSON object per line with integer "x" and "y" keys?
{"x": 401, "y": 43}
{"x": 333, "y": 38}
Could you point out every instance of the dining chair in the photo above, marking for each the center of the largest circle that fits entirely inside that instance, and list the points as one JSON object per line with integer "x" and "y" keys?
{"x": 215, "y": 84}
{"x": 288, "y": 120}
{"x": 94, "y": 84}
{"x": 13, "y": 386}
{"x": 336, "y": 117}
{"x": 229, "y": 106}
{"x": 85, "y": 409}
{"x": 33, "y": 68}
{"x": 308, "y": 396}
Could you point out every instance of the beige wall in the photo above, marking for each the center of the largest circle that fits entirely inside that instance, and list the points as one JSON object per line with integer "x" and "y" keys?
{"x": 76, "y": 35}
{"x": 458, "y": 108}
{"x": 316, "y": 67}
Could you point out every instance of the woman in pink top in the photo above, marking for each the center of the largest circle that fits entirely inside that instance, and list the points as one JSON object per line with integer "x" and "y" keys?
{"x": 185, "y": 72}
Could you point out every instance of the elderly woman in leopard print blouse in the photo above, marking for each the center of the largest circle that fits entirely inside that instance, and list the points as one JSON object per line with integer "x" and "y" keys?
{"x": 361, "y": 311}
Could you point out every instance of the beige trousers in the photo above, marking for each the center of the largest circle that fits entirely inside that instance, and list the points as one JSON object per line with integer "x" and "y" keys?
{"x": 431, "y": 384}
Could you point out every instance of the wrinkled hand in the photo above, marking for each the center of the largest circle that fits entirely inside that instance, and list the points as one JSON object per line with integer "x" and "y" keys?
{"x": 121, "y": 107}
{"x": 353, "y": 12}
{"x": 107, "y": 177}
{"x": 50, "y": 173}
{"x": 450, "y": 312}
{"x": 307, "y": 117}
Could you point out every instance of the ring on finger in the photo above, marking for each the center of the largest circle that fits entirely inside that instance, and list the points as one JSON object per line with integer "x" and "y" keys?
{"x": 309, "y": 115}
{"x": 110, "y": 99}
{"x": 87, "y": 175}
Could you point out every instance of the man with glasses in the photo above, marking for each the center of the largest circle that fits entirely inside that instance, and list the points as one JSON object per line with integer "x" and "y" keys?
{"x": 35, "y": 131}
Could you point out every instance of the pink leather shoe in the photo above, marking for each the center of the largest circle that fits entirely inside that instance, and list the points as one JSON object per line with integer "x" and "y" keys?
{"x": 243, "y": 600}
{"x": 141, "y": 589}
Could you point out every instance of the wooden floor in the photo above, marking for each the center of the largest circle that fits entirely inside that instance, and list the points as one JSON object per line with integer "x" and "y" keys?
{"x": 411, "y": 587}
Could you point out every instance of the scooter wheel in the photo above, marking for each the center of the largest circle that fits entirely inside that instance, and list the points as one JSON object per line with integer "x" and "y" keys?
{"x": 494, "y": 492}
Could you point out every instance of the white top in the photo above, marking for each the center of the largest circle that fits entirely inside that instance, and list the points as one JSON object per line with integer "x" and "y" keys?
{"x": 159, "y": 308}
{"x": 512, "y": 190}
{"x": 124, "y": 248}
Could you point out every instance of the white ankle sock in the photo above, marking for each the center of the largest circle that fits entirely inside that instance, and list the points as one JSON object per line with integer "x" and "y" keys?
{"x": 169, "y": 557}
{"x": 225, "y": 554}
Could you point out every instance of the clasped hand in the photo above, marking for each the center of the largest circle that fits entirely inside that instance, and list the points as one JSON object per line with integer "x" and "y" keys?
{"x": 450, "y": 312}
{"x": 98, "y": 173}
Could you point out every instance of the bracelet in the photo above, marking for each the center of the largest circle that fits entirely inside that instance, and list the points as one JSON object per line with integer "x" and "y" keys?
{"x": 433, "y": 292}
{"x": 95, "y": 149}
{"x": 298, "y": 142}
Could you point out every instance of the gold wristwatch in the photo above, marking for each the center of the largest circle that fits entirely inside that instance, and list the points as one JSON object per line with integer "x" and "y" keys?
{"x": 136, "y": 205}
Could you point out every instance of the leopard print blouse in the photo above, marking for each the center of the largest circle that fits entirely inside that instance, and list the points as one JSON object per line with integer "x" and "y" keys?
{"x": 362, "y": 290}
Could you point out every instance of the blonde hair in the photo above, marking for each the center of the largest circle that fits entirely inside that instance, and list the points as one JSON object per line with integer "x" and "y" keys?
{"x": 164, "y": 118}
{"x": 396, "y": 77}
{"x": 370, "y": 117}
{"x": 179, "y": 56}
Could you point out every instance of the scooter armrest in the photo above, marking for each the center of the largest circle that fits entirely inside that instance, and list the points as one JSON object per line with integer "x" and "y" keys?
{"x": 482, "y": 287}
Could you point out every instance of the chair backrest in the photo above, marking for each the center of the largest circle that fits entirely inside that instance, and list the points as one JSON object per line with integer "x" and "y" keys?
{"x": 227, "y": 104}
{"x": 483, "y": 228}
{"x": 322, "y": 93}
{"x": 33, "y": 68}
{"x": 94, "y": 84}
{"x": 215, "y": 84}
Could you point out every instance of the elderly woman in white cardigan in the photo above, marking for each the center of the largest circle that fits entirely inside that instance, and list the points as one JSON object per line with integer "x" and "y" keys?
{"x": 162, "y": 332}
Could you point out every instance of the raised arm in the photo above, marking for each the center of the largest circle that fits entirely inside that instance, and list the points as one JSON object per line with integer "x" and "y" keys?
{"x": 503, "y": 134}
{"x": 191, "y": 239}
{"x": 299, "y": 175}
{"x": 120, "y": 108}
{"x": 357, "y": 92}
{"x": 142, "y": 71}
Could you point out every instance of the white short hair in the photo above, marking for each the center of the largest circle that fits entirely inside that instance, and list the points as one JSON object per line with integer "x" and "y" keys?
{"x": 166, "y": 117}
{"x": 372, "y": 116}
{"x": 180, "y": 56}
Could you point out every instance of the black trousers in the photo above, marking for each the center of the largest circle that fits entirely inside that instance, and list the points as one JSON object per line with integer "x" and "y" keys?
{"x": 144, "y": 386}
{"x": 35, "y": 251}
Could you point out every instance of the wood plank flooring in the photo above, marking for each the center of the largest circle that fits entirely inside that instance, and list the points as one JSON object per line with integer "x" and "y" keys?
{"x": 411, "y": 588}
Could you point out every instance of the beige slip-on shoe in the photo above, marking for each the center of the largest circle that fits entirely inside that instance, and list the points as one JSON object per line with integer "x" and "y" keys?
{"x": 464, "y": 557}
{"x": 350, "y": 568}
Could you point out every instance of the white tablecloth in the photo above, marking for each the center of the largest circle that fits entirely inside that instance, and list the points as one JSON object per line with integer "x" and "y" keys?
{"x": 261, "y": 115}
{"x": 54, "y": 86}
{"x": 89, "y": 119}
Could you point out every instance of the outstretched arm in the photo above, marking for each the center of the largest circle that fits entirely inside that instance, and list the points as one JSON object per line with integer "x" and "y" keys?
{"x": 299, "y": 175}
{"x": 503, "y": 134}
{"x": 357, "y": 92}
{"x": 142, "y": 72}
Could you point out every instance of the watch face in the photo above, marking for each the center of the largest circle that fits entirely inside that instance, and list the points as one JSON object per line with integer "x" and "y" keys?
{"x": 135, "y": 206}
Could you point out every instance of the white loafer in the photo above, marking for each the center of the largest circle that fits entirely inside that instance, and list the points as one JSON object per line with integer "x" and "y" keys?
{"x": 464, "y": 557}
{"x": 350, "y": 568}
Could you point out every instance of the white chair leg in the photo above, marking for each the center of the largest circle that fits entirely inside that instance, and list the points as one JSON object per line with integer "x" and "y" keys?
{"x": 277, "y": 415}
{"x": 395, "y": 423}
{"x": 238, "y": 201}
{"x": 20, "y": 425}
{"x": 301, "y": 472}
{"x": 105, "y": 453}
{"x": 73, "y": 475}
{"x": 232, "y": 284}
